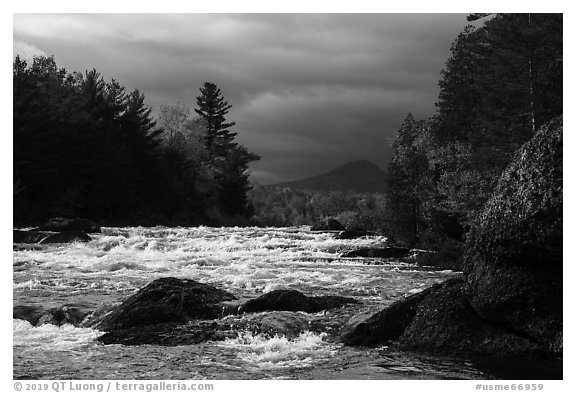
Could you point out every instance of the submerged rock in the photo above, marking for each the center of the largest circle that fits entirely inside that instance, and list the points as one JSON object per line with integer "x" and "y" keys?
{"x": 169, "y": 334}
{"x": 61, "y": 224}
{"x": 66, "y": 237}
{"x": 328, "y": 224}
{"x": 286, "y": 324}
{"x": 58, "y": 316}
{"x": 353, "y": 234}
{"x": 62, "y": 315}
{"x": 165, "y": 300}
{"x": 378, "y": 252}
{"x": 292, "y": 300}
{"x": 19, "y": 236}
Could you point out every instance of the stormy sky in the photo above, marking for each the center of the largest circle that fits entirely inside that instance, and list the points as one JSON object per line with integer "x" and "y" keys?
{"x": 309, "y": 91}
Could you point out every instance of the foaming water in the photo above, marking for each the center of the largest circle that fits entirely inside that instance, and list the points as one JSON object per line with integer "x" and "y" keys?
{"x": 306, "y": 350}
{"x": 244, "y": 261}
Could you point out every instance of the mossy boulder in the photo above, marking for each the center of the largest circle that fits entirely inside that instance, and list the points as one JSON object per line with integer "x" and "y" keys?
{"x": 509, "y": 301}
{"x": 513, "y": 259}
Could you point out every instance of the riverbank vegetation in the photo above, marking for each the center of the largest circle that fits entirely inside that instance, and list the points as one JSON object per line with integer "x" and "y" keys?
{"x": 502, "y": 82}
{"x": 87, "y": 147}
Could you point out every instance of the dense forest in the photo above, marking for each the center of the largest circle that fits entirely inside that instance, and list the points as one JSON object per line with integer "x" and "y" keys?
{"x": 502, "y": 82}
{"x": 283, "y": 206}
{"x": 87, "y": 147}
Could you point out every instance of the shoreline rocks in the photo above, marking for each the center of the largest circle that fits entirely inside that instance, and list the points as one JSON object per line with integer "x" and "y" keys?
{"x": 509, "y": 302}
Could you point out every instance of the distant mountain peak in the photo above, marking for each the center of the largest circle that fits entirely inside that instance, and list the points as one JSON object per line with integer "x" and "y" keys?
{"x": 358, "y": 176}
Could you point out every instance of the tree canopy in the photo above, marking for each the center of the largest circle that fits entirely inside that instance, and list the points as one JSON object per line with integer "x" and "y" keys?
{"x": 87, "y": 147}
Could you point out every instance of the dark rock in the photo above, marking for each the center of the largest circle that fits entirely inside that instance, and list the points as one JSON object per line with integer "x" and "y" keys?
{"x": 446, "y": 323}
{"x": 31, "y": 314}
{"x": 166, "y": 300}
{"x": 169, "y": 334}
{"x": 287, "y": 324}
{"x": 28, "y": 236}
{"x": 276, "y": 323}
{"x": 328, "y": 224}
{"x": 292, "y": 300}
{"x": 513, "y": 255}
{"x": 384, "y": 326}
{"x": 353, "y": 234}
{"x": 61, "y": 224}
{"x": 62, "y": 315}
{"x": 58, "y": 316}
{"x": 376, "y": 252}
{"x": 66, "y": 237}
{"x": 510, "y": 302}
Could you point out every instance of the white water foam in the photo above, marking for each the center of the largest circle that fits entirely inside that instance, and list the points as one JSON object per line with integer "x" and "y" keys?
{"x": 51, "y": 338}
{"x": 280, "y": 352}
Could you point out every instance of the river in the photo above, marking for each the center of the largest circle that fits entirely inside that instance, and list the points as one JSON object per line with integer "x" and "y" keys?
{"x": 245, "y": 261}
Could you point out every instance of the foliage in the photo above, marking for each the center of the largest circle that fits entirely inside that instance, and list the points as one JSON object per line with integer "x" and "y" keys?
{"x": 502, "y": 81}
{"x": 87, "y": 147}
{"x": 277, "y": 206}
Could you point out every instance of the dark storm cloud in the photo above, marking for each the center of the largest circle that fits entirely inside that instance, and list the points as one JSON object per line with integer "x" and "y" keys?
{"x": 309, "y": 91}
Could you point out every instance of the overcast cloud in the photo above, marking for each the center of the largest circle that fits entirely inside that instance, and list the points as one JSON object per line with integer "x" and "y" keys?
{"x": 309, "y": 91}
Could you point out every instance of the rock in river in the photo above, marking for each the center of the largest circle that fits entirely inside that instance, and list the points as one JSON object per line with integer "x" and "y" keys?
{"x": 292, "y": 300}
{"x": 66, "y": 237}
{"x": 61, "y": 224}
{"x": 378, "y": 252}
{"x": 328, "y": 224}
{"x": 19, "y": 236}
{"x": 165, "y": 300}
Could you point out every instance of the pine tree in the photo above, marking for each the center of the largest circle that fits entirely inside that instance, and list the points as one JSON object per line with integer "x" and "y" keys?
{"x": 213, "y": 109}
{"x": 406, "y": 174}
{"x": 228, "y": 159}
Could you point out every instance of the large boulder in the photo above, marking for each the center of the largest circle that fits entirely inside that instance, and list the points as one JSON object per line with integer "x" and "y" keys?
{"x": 61, "y": 224}
{"x": 513, "y": 257}
{"x": 446, "y": 323}
{"x": 165, "y": 300}
{"x": 384, "y": 326}
{"x": 510, "y": 299}
{"x": 292, "y": 300}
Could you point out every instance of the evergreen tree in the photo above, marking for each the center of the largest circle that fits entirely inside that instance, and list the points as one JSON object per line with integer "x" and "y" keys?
{"x": 229, "y": 160}
{"x": 213, "y": 109}
{"x": 406, "y": 174}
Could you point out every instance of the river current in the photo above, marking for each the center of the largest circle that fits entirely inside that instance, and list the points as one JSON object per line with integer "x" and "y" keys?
{"x": 244, "y": 261}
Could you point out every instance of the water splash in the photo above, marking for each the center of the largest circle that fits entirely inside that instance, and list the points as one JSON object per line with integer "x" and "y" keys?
{"x": 280, "y": 352}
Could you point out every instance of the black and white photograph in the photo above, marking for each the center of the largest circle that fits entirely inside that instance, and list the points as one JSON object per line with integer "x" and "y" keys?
{"x": 287, "y": 196}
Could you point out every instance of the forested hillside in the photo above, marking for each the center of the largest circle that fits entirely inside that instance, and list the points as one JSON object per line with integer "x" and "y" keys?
{"x": 502, "y": 82}
{"x": 88, "y": 147}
